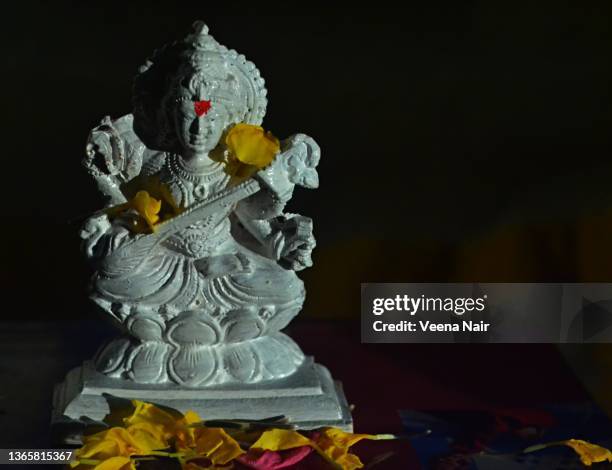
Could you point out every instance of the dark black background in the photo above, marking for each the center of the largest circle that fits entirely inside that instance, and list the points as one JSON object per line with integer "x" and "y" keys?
{"x": 462, "y": 141}
{"x": 468, "y": 141}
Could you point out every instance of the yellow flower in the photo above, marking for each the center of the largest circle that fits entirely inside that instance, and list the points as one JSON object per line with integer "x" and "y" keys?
{"x": 331, "y": 443}
{"x": 589, "y": 453}
{"x": 152, "y": 201}
{"x": 116, "y": 463}
{"x": 341, "y": 439}
{"x": 156, "y": 189}
{"x": 147, "y": 207}
{"x": 111, "y": 449}
{"x": 146, "y": 430}
{"x": 218, "y": 446}
{"x": 190, "y": 442}
{"x": 108, "y": 443}
{"x": 250, "y": 149}
{"x": 150, "y": 414}
{"x": 164, "y": 425}
{"x": 252, "y": 145}
{"x": 184, "y": 433}
{"x": 151, "y": 431}
{"x": 280, "y": 439}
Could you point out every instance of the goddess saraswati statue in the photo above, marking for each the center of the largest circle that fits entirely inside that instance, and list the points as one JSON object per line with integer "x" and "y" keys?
{"x": 195, "y": 259}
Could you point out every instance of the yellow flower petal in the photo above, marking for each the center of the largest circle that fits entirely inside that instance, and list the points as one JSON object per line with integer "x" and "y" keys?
{"x": 250, "y": 148}
{"x": 191, "y": 417}
{"x": 343, "y": 439}
{"x": 148, "y": 436}
{"x": 147, "y": 207}
{"x": 104, "y": 448}
{"x": 116, "y": 463}
{"x": 151, "y": 414}
{"x": 280, "y": 439}
{"x": 349, "y": 462}
{"x": 185, "y": 434}
{"x": 333, "y": 444}
{"x": 109, "y": 443}
{"x": 589, "y": 453}
{"x": 216, "y": 445}
{"x": 151, "y": 430}
{"x": 156, "y": 189}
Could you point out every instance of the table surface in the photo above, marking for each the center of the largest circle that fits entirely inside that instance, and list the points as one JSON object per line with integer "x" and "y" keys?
{"x": 379, "y": 379}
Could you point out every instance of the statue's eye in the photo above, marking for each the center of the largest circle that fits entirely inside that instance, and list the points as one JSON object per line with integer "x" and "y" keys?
{"x": 201, "y": 107}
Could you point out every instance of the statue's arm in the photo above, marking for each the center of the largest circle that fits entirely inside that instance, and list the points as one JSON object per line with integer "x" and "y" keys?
{"x": 287, "y": 238}
{"x": 111, "y": 247}
{"x": 260, "y": 229}
{"x": 115, "y": 155}
{"x": 100, "y": 237}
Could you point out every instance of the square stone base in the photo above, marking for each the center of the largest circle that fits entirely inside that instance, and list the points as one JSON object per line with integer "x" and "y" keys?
{"x": 309, "y": 398}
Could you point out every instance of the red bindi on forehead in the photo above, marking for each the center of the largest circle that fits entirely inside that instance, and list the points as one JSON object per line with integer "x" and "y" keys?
{"x": 201, "y": 107}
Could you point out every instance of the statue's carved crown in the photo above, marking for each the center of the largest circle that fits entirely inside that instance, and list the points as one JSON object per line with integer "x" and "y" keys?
{"x": 183, "y": 68}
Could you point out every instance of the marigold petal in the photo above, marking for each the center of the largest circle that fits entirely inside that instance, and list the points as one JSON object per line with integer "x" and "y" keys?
{"x": 216, "y": 445}
{"x": 148, "y": 436}
{"x": 184, "y": 433}
{"x": 589, "y": 453}
{"x": 344, "y": 439}
{"x": 116, "y": 463}
{"x": 109, "y": 443}
{"x": 191, "y": 417}
{"x": 280, "y": 439}
{"x": 349, "y": 462}
{"x": 147, "y": 206}
{"x": 102, "y": 448}
{"x": 251, "y": 145}
{"x": 333, "y": 444}
{"x": 149, "y": 413}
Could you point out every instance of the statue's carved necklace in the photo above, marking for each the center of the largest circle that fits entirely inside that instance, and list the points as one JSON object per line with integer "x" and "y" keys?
{"x": 189, "y": 186}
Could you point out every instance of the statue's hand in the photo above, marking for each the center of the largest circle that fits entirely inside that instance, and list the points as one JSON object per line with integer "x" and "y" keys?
{"x": 101, "y": 237}
{"x": 293, "y": 241}
{"x": 301, "y": 155}
{"x": 114, "y": 154}
{"x": 92, "y": 231}
{"x": 294, "y": 166}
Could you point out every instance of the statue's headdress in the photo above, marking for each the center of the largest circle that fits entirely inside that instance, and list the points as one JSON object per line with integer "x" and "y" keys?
{"x": 178, "y": 70}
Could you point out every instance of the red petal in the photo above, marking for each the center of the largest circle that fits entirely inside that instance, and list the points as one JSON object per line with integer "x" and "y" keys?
{"x": 269, "y": 460}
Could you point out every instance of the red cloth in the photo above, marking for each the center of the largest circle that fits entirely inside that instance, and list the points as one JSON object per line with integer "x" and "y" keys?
{"x": 380, "y": 379}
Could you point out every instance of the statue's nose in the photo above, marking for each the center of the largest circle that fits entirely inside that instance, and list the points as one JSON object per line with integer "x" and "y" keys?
{"x": 197, "y": 126}
{"x": 200, "y": 124}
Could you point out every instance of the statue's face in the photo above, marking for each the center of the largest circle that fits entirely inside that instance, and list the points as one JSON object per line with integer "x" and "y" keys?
{"x": 199, "y": 124}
